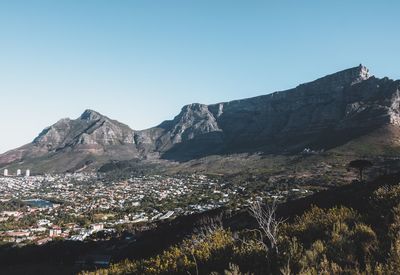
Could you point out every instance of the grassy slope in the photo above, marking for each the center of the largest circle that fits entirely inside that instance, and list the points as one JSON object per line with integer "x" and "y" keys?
{"x": 381, "y": 144}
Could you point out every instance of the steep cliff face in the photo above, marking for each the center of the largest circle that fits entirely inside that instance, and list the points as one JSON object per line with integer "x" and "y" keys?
{"x": 320, "y": 114}
{"x": 291, "y": 119}
{"x": 195, "y": 125}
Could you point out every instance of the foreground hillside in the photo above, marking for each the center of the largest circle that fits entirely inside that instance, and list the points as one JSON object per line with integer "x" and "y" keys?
{"x": 352, "y": 230}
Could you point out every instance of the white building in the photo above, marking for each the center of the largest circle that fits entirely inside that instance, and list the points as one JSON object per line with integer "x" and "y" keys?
{"x": 27, "y": 173}
{"x": 55, "y": 232}
{"x": 97, "y": 227}
{"x": 5, "y": 172}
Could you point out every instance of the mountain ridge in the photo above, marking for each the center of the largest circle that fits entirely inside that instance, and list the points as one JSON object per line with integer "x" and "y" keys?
{"x": 321, "y": 114}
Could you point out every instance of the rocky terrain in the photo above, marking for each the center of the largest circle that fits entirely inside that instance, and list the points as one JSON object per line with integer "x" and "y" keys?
{"x": 71, "y": 145}
{"x": 320, "y": 115}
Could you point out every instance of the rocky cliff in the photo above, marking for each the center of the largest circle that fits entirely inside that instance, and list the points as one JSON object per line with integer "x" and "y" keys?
{"x": 320, "y": 114}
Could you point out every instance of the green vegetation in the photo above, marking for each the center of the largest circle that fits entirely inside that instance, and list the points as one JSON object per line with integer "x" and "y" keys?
{"x": 319, "y": 241}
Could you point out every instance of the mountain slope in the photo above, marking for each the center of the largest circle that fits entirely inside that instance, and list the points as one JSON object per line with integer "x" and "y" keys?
{"x": 91, "y": 139}
{"x": 322, "y": 114}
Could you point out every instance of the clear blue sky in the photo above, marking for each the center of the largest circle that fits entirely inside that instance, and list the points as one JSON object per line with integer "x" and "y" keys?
{"x": 140, "y": 61}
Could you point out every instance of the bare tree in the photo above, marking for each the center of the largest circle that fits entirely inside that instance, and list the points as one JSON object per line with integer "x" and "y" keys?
{"x": 268, "y": 223}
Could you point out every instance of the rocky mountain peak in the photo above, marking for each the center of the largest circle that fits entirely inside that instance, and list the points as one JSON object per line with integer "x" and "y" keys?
{"x": 91, "y": 115}
{"x": 349, "y": 76}
{"x": 338, "y": 81}
{"x": 363, "y": 72}
{"x": 193, "y": 109}
{"x": 356, "y": 74}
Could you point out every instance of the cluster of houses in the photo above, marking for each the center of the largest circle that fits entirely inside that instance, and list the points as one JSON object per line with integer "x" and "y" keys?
{"x": 44, "y": 230}
{"x": 50, "y": 198}
{"x": 80, "y": 194}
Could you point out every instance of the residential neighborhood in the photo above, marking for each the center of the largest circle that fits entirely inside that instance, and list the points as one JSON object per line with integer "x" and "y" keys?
{"x": 73, "y": 206}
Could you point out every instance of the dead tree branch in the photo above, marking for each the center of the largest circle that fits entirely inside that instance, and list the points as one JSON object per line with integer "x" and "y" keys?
{"x": 268, "y": 223}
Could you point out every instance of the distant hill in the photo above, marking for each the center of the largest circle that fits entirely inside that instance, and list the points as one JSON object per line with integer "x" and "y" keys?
{"x": 324, "y": 114}
{"x": 70, "y": 145}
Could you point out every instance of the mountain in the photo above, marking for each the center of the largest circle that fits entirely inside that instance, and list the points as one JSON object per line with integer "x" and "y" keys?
{"x": 320, "y": 115}
{"x": 75, "y": 144}
{"x": 323, "y": 114}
